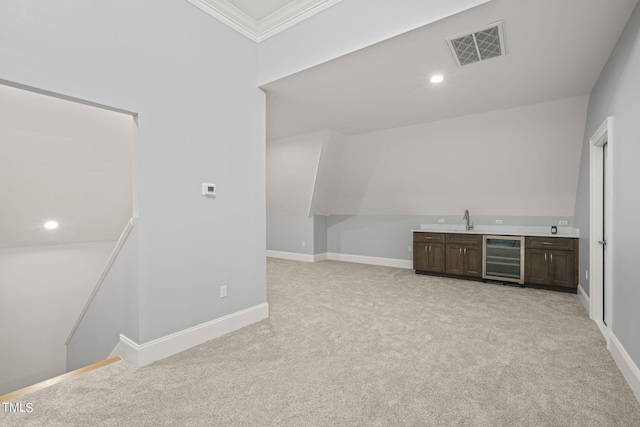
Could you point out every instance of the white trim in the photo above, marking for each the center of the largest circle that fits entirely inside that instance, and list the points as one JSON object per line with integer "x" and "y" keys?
{"x": 127, "y": 349}
{"x": 629, "y": 369}
{"x": 321, "y": 257}
{"x": 112, "y": 258}
{"x": 143, "y": 354}
{"x": 297, "y": 257}
{"x": 606, "y": 332}
{"x": 584, "y": 299}
{"x": 290, "y": 15}
{"x": 603, "y": 134}
{"x": 386, "y": 262}
{"x": 258, "y": 31}
{"x": 291, "y": 255}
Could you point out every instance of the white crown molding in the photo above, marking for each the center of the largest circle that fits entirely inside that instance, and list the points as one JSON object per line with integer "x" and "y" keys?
{"x": 280, "y": 20}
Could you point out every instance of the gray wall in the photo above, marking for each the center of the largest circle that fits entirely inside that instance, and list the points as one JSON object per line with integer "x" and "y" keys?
{"x": 42, "y": 292}
{"x": 113, "y": 310}
{"x": 320, "y": 245}
{"x": 298, "y": 234}
{"x": 290, "y": 233}
{"x": 616, "y": 94}
{"x": 382, "y": 236}
{"x": 201, "y": 118}
{"x": 389, "y": 236}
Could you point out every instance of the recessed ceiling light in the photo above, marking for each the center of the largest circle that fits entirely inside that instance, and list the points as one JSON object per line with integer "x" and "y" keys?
{"x": 50, "y": 225}
{"x": 437, "y": 78}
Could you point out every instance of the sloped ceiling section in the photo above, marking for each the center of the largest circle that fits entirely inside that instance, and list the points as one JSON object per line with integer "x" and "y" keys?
{"x": 259, "y": 20}
{"x": 552, "y": 53}
{"x": 517, "y": 162}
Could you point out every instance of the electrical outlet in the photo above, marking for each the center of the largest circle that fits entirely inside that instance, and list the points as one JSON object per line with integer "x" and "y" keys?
{"x": 223, "y": 291}
{"x": 304, "y": 243}
{"x": 563, "y": 222}
{"x": 586, "y": 274}
{"x": 441, "y": 220}
{"x": 409, "y": 248}
{"x": 499, "y": 221}
{"x": 208, "y": 190}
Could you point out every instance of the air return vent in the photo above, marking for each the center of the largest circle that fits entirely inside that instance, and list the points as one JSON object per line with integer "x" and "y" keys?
{"x": 479, "y": 45}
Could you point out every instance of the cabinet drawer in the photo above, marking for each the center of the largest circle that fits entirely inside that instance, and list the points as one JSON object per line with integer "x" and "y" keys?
{"x": 428, "y": 237}
{"x": 560, "y": 243}
{"x": 464, "y": 239}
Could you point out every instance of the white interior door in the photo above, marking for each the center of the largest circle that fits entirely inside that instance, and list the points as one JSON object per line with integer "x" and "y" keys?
{"x": 598, "y": 250}
{"x": 607, "y": 282}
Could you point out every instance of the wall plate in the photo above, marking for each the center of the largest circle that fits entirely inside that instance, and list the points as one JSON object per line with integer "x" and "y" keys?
{"x": 208, "y": 190}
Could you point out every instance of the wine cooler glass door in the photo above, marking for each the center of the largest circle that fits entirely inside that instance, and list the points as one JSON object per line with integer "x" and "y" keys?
{"x": 504, "y": 258}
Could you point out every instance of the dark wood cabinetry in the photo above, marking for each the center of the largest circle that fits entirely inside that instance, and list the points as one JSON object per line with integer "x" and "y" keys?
{"x": 464, "y": 254}
{"x": 454, "y": 254}
{"x": 428, "y": 252}
{"x": 551, "y": 262}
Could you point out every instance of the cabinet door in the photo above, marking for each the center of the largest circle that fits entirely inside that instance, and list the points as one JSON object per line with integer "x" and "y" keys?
{"x": 536, "y": 266}
{"x": 472, "y": 260}
{"x": 561, "y": 269}
{"x": 420, "y": 256}
{"x": 436, "y": 257}
{"x": 454, "y": 259}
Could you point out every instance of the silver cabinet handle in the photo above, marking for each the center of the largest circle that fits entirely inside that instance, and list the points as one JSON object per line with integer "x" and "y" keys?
{"x": 460, "y": 251}
{"x": 545, "y": 257}
{"x": 465, "y": 251}
{"x": 425, "y": 248}
{"x": 429, "y": 248}
{"x": 551, "y": 257}
{"x": 547, "y": 243}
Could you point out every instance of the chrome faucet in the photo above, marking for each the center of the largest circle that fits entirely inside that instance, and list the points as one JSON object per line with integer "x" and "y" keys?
{"x": 466, "y": 217}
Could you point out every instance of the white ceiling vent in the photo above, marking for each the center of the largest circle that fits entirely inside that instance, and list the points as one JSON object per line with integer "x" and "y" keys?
{"x": 478, "y": 45}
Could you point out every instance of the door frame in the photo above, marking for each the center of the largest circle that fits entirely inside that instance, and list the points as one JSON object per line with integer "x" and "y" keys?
{"x": 596, "y": 230}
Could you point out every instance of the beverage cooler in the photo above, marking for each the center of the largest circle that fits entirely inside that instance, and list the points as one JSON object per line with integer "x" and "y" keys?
{"x": 503, "y": 258}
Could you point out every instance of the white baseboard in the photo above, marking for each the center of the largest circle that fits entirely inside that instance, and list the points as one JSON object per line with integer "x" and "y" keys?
{"x": 386, "y": 262}
{"x": 291, "y": 255}
{"x": 321, "y": 257}
{"x": 629, "y": 369}
{"x": 584, "y": 299}
{"x": 297, "y": 257}
{"x": 127, "y": 349}
{"x": 143, "y": 354}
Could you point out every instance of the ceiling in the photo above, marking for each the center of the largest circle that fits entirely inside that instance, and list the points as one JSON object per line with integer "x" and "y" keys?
{"x": 63, "y": 161}
{"x": 261, "y": 19}
{"x": 555, "y": 49}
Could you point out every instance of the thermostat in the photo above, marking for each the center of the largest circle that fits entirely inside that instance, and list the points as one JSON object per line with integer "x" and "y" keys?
{"x": 208, "y": 190}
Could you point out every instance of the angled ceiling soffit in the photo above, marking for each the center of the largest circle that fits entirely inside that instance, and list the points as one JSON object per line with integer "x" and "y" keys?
{"x": 280, "y": 20}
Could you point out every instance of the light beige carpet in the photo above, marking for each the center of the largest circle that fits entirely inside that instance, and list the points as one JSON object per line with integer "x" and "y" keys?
{"x": 349, "y": 344}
